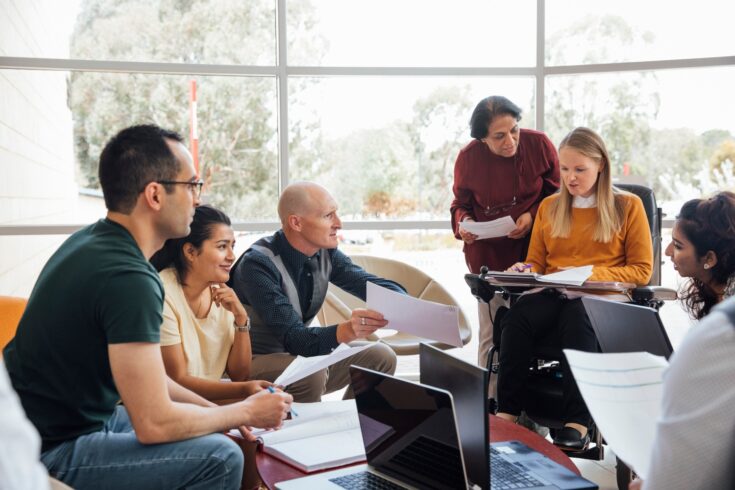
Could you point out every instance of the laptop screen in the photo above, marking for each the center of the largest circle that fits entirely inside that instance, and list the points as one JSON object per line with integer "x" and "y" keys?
{"x": 468, "y": 385}
{"x": 409, "y": 430}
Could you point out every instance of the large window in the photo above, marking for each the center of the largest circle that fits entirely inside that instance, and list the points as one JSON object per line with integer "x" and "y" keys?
{"x": 415, "y": 33}
{"x": 632, "y": 30}
{"x": 387, "y": 146}
{"x": 372, "y": 99}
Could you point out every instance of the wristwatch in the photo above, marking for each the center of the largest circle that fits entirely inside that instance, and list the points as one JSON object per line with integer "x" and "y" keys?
{"x": 243, "y": 328}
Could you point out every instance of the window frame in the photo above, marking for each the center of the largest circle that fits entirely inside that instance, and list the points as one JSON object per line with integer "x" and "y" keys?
{"x": 282, "y": 72}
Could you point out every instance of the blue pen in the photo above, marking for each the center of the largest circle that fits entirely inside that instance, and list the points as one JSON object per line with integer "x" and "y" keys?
{"x": 293, "y": 412}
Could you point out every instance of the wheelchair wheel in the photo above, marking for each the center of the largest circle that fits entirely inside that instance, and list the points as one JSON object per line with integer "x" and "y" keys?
{"x": 623, "y": 474}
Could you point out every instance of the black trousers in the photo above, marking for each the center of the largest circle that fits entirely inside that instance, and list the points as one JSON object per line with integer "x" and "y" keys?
{"x": 545, "y": 315}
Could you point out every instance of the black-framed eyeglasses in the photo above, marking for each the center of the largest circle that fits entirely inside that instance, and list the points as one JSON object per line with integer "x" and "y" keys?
{"x": 195, "y": 187}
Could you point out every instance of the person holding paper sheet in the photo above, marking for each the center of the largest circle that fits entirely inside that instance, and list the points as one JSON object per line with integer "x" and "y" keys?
{"x": 503, "y": 171}
{"x": 588, "y": 223}
{"x": 694, "y": 445}
{"x": 282, "y": 282}
{"x": 205, "y": 330}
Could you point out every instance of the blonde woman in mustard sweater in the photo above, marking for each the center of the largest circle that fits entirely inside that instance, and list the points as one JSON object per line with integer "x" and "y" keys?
{"x": 589, "y": 222}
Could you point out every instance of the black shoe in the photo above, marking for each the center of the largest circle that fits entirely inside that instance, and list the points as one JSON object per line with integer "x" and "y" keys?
{"x": 570, "y": 439}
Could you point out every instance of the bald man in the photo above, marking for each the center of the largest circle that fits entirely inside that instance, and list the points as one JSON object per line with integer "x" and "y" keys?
{"x": 282, "y": 281}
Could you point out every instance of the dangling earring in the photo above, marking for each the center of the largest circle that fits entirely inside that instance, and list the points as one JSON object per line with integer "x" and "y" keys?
{"x": 706, "y": 266}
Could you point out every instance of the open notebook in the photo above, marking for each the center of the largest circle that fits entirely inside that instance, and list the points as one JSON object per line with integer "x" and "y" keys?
{"x": 324, "y": 435}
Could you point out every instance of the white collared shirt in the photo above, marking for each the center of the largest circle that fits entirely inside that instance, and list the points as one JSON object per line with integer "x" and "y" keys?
{"x": 585, "y": 202}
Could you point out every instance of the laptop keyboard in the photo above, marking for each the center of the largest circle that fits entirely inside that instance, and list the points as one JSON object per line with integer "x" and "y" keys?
{"x": 364, "y": 480}
{"x": 506, "y": 475}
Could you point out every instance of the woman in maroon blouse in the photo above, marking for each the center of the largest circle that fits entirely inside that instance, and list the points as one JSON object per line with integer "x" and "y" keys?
{"x": 503, "y": 171}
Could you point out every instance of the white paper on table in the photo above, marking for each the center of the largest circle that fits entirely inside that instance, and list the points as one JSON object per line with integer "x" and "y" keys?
{"x": 490, "y": 229}
{"x": 418, "y": 317}
{"x": 302, "y": 367}
{"x": 623, "y": 393}
{"x": 573, "y": 277}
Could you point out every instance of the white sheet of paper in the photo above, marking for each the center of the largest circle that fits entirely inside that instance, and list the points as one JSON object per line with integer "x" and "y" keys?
{"x": 418, "y": 317}
{"x": 490, "y": 229}
{"x": 623, "y": 393}
{"x": 302, "y": 367}
{"x": 573, "y": 277}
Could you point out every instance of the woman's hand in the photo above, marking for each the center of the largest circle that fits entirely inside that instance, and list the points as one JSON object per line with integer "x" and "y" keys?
{"x": 523, "y": 226}
{"x": 520, "y": 267}
{"x": 224, "y": 296}
{"x": 253, "y": 387}
{"x": 467, "y": 236}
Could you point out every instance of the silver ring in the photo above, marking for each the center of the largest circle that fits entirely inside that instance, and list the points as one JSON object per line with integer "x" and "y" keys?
{"x": 362, "y": 321}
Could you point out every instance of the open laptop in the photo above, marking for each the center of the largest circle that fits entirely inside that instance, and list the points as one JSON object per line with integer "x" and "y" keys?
{"x": 499, "y": 465}
{"x": 623, "y": 327}
{"x": 410, "y": 435}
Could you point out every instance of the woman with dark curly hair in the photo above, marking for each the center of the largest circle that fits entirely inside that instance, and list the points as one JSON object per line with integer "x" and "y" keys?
{"x": 703, "y": 249}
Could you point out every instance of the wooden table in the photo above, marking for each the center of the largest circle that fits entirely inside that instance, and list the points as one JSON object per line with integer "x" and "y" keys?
{"x": 273, "y": 470}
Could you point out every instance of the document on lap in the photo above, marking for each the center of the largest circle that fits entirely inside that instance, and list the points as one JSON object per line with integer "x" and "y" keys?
{"x": 302, "y": 367}
{"x": 574, "y": 276}
{"x": 433, "y": 321}
{"x": 324, "y": 435}
{"x": 623, "y": 393}
{"x": 490, "y": 229}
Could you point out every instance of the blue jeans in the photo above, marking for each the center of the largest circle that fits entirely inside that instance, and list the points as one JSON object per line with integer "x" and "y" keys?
{"x": 113, "y": 458}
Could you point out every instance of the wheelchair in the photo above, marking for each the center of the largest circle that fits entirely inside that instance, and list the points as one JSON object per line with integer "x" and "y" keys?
{"x": 543, "y": 402}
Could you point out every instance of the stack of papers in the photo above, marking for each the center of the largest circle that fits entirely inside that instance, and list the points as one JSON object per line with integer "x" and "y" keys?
{"x": 623, "y": 393}
{"x": 489, "y": 229}
{"x": 574, "y": 276}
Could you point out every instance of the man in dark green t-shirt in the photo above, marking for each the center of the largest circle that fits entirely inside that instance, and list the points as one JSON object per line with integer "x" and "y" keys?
{"x": 89, "y": 338}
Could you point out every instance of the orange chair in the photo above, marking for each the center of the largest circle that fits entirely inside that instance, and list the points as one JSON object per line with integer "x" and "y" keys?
{"x": 11, "y": 309}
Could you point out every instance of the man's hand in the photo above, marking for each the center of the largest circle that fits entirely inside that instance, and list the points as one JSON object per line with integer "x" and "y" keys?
{"x": 523, "y": 226}
{"x": 267, "y": 410}
{"x": 467, "y": 237}
{"x": 246, "y": 434}
{"x": 362, "y": 323}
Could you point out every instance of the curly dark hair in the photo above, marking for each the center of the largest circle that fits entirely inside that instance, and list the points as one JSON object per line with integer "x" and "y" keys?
{"x": 710, "y": 225}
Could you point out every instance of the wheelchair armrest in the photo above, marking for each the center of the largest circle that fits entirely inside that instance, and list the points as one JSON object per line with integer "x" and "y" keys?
{"x": 652, "y": 295}
{"x": 480, "y": 288}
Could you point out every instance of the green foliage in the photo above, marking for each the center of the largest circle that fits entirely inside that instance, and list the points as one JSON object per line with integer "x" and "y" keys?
{"x": 236, "y": 115}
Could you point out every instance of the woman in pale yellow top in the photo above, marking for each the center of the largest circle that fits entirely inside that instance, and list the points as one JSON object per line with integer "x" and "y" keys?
{"x": 588, "y": 222}
{"x": 205, "y": 330}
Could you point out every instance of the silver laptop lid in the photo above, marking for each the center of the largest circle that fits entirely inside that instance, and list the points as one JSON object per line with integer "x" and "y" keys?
{"x": 409, "y": 430}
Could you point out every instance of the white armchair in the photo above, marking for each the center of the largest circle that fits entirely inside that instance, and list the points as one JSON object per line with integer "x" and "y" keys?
{"x": 338, "y": 304}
